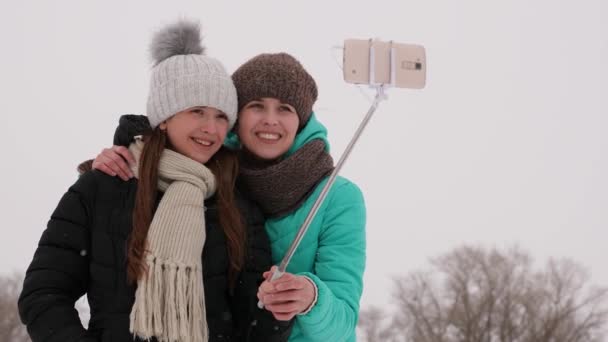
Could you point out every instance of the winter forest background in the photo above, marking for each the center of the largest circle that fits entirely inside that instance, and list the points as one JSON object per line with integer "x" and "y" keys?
{"x": 487, "y": 192}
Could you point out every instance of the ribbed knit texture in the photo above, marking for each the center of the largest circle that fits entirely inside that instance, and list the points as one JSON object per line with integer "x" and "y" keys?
{"x": 279, "y": 76}
{"x": 185, "y": 81}
{"x": 169, "y": 301}
{"x": 282, "y": 186}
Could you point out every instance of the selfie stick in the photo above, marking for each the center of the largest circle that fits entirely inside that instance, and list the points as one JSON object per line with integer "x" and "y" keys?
{"x": 380, "y": 95}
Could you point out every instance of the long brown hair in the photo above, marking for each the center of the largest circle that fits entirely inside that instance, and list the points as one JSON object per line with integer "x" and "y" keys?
{"x": 224, "y": 165}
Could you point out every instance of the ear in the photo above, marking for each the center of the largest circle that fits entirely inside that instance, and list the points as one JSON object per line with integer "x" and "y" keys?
{"x": 163, "y": 126}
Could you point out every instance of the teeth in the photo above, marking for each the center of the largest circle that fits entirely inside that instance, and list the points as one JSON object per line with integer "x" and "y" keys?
{"x": 270, "y": 136}
{"x": 203, "y": 142}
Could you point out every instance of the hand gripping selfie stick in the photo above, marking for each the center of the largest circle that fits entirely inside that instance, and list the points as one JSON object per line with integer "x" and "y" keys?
{"x": 380, "y": 95}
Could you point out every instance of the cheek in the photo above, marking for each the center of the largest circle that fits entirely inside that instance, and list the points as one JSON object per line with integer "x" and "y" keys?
{"x": 222, "y": 131}
{"x": 246, "y": 121}
{"x": 240, "y": 130}
{"x": 177, "y": 132}
{"x": 293, "y": 127}
{"x": 243, "y": 128}
{"x": 177, "y": 140}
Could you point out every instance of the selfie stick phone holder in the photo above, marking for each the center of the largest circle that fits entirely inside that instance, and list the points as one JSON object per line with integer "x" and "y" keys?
{"x": 380, "y": 96}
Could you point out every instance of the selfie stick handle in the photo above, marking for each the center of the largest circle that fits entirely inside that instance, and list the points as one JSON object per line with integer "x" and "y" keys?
{"x": 380, "y": 95}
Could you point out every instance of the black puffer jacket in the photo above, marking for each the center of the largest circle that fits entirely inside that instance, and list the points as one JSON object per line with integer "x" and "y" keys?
{"x": 83, "y": 250}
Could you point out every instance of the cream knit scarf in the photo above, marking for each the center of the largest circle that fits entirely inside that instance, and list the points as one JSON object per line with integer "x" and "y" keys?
{"x": 169, "y": 301}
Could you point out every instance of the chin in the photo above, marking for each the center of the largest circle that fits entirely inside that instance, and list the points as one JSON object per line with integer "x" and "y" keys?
{"x": 270, "y": 156}
{"x": 199, "y": 158}
{"x": 266, "y": 153}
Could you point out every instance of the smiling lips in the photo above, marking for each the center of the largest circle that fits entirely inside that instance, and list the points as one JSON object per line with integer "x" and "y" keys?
{"x": 268, "y": 136}
{"x": 202, "y": 142}
{"x": 264, "y": 136}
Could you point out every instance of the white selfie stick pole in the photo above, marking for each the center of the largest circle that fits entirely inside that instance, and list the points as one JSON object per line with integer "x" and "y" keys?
{"x": 380, "y": 95}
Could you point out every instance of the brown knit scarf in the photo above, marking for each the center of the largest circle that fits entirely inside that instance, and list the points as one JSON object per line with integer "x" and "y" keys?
{"x": 280, "y": 187}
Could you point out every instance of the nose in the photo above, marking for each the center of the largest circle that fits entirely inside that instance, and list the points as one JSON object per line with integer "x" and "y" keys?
{"x": 271, "y": 117}
{"x": 208, "y": 125}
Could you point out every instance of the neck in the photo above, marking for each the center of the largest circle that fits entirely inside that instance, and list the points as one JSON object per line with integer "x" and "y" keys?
{"x": 255, "y": 162}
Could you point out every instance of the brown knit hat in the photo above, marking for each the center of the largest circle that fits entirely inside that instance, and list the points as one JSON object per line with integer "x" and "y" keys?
{"x": 276, "y": 75}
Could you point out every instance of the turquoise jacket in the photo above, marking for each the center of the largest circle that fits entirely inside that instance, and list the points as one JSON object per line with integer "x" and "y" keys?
{"x": 332, "y": 253}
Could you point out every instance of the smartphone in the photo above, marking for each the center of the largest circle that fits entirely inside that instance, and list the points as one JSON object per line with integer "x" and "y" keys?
{"x": 409, "y": 63}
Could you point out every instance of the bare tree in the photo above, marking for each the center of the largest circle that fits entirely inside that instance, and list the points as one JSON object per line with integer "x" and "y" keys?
{"x": 11, "y": 328}
{"x": 477, "y": 295}
{"x": 375, "y": 325}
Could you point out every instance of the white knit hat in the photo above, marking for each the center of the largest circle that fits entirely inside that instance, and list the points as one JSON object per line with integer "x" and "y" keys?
{"x": 183, "y": 77}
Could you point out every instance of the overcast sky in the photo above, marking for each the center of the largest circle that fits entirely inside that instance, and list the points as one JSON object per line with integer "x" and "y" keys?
{"x": 507, "y": 143}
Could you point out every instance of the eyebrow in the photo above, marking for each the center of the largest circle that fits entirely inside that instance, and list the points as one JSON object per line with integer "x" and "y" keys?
{"x": 259, "y": 99}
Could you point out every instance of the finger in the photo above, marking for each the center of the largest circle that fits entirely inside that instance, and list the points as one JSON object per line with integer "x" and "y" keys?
{"x": 116, "y": 162}
{"x": 283, "y": 297}
{"x": 296, "y": 283}
{"x": 119, "y": 171}
{"x": 270, "y": 272}
{"x": 261, "y": 294}
{"x": 284, "y": 308}
{"x": 125, "y": 153}
{"x": 286, "y": 277}
{"x": 284, "y": 316}
{"x": 100, "y": 159}
{"x": 120, "y": 162}
{"x": 103, "y": 168}
{"x": 267, "y": 287}
{"x": 96, "y": 164}
{"x": 105, "y": 162}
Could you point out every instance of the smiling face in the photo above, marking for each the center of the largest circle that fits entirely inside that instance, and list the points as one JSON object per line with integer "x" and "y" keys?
{"x": 267, "y": 127}
{"x": 197, "y": 132}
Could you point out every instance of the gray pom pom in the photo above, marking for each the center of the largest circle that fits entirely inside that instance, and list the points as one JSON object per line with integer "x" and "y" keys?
{"x": 181, "y": 38}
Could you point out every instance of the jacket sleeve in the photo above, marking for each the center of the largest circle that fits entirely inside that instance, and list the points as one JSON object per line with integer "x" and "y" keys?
{"x": 256, "y": 324}
{"x": 129, "y": 126}
{"x": 339, "y": 266}
{"x": 266, "y": 328}
{"x": 58, "y": 273}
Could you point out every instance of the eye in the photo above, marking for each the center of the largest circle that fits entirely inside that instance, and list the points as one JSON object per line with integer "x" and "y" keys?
{"x": 222, "y": 116}
{"x": 286, "y": 108}
{"x": 197, "y": 110}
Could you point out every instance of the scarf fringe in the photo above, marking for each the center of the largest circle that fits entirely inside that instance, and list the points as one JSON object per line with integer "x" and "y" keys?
{"x": 170, "y": 303}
